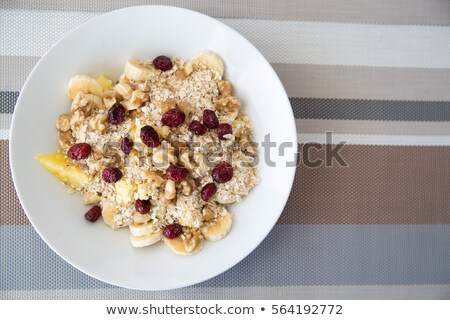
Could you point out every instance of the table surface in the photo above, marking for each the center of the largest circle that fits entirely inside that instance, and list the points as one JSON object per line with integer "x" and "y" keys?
{"x": 375, "y": 73}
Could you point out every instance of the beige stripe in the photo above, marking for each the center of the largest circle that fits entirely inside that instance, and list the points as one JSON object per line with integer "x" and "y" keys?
{"x": 240, "y": 293}
{"x": 381, "y": 185}
{"x": 431, "y": 12}
{"x": 413, "y": 128}
{"x": 15, "y": 71}
{"x": 310, "y": 81}
{"x": 358, "y": 82}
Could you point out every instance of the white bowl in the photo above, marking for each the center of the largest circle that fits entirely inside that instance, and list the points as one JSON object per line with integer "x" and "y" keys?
{"x": 103, "y": 45}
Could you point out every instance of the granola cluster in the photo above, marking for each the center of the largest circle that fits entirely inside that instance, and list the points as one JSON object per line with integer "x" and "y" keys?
{"x": 161, "y": 184}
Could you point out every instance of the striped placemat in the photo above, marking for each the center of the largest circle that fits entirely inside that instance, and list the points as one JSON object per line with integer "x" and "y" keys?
{"x": 375, "y": 73}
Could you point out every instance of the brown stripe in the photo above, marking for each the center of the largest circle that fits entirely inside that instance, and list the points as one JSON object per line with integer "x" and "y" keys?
{"x": 431, "y": 12}
{"x": 382, "y": 185}
{"x": 12, "y": 212}
{"x": 310, "y": 81}
{"x": 359, "y": 82}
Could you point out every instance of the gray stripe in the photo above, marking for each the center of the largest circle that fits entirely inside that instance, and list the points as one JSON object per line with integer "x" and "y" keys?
{"x": 240, "y": 293}
{"x": 8, "y": 101}
{"x": 359, "y": 82}
{"x": 410, "y": 128}
{"x": 431, "y": 12}
{"x": 292, "y": 255}
{"x": 307, "y": 108}
{"x": 310, "y": 81}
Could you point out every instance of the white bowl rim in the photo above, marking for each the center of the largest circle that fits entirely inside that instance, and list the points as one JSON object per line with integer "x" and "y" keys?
{"x": 289, "y": 181}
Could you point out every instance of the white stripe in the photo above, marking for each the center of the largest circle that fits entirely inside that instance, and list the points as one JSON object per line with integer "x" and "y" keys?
{"x": 31, "y": 33}
{"x": 382, "y": 140}
{"x": 4, "y": 134}
{"x": 241, "y": 293}
{"x": 5, "y": 120}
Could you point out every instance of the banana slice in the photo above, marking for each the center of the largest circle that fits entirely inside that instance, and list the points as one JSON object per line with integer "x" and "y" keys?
{"x": 224, "y": 197}
{"x": 185, "y": 247}
{"x": 108, "y": 213}
{"x": 84, "y": 84}
{"x": 218, "y": 228}
{"x": 143, "y": 229}
{"x": 143, "y": 241}
{"x": 209, "y": 59}
{"x": 141, "y": 218}
{"x": 138, "y": 70}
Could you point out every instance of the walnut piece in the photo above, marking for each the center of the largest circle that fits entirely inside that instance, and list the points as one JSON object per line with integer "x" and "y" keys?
{"x": 224, "y": 88}
{"x": 63, "y": 123}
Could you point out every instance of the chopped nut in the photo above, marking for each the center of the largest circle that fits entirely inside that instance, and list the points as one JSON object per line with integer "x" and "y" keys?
{"x": 85, "y": 103}
{"x": 65, "y": 139}
{"x": 247, "y": 145}
{"x": 224, "y": 88}
{"x": 133, "y": 114}
{"x": 184, "y": 106}
{"x": 190, "y": 242}
{"x": 152, "y": 176}
{"x": 98, "y": 123}
{"x": 163, "y": 157}
{"x": 165, "y": 131}
{"x": 91, "y": 198}
{"x": 63, "y": 122}
{"x": 137, "y": 99}
{"x": 170, "y": 191}
{"x": 166, "y": 201}
{"x": 123, "y": 89}
{"x": 228, "y": 104}
{"x": 167, "y": 105}
{"x": 185, "y": 160}
{"x": 186, "y": 188}
{"x": 144, "y": 86}
{"x": 180, "y": 74}
{"x": 109, "y": 98}
{"x": 207, "y": 213}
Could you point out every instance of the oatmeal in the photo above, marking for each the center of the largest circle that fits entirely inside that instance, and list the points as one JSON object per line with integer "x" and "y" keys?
{"x": 163, "y": 150}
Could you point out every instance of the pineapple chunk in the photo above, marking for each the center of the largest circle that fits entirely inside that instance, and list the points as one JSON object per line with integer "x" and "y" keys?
{"x": 58, "y": 165}
{"x": 125, "y": 190}
{"x": 105, "y": 82}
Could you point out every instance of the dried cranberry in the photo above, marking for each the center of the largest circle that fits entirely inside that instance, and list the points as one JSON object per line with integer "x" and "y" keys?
{"x": 79, "y": 151}
{"x": 173, "y": 230}
{"x": 149, "y": 136}
{"x": 116, "y": 114}
{"x": 162, "y": 63}
{"x": 142, "y": 206}
{"x": 176, "y": 173}
{"x": 197, "y": 128}
{"x": 224, "y": 129}
{"x": 126, "y": 145}
{"x": 210, "y": 119}
{"x": 93, "y": 213}
{"x": 208, "y": 191}
{"x": 223, "y": 172}
{"x": 111, "y": 175}
{"x": 173, "y": 118}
